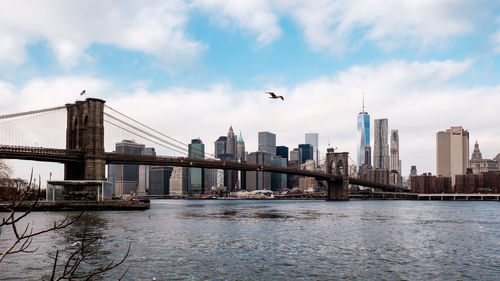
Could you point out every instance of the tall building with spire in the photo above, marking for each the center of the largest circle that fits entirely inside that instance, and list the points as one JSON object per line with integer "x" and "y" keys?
{"x": 231, "y": 143}
{"x": 241, "y": 156}
{"x": 240, "y": 149}
{"x": 395, "y": 162}
{"x": 363, "y": 136}
{"x": 480, "y": 165}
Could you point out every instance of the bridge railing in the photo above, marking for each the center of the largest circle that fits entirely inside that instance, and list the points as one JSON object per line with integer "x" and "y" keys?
{"x": 119, "y": 158}
{"x": 39, "y": 150}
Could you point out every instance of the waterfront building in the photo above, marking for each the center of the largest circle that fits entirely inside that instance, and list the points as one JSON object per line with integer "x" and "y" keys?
{"x": 178, "y": 181}
{"x": 278, "y": 180}
{"x": 282, "y": 151}
{"x": 395, "y": 161}
{"x": 488, "y": 182}
{"x": 307, "y": 152}
{"x": 258, "y": 180}
{"x": 210, "y": 182}
{"x": 296, "y": 155}
{"x": 452, "y": 152}
{"x": 308, "y": 183}
{"x": 428, "y": 183}
{"x": 363, "y": 136}
{"x": 376, "y": 175}
{"x": 413, "y": 172}
{"x": 159, "y": 180}
{"x": 480, "y": 165}
{"x": 195, "y": 181}
{"x": 312, "y": 139}
{"x": 125, "y": 177}
{"x": 267, "y": 143}
{"x": 381, "y": 145}
{"x": 144, "y": 173}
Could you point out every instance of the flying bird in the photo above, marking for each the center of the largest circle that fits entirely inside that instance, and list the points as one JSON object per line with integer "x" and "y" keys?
{"x": 274, "y": 96}
{"x": 83, "y": 93}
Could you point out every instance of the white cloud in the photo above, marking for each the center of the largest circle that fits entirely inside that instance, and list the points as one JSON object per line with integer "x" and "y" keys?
{"x": 153, "y": 27}
{"x": 254, "y": 16}
{"x": 418, "y": 98}
{"x": 159, "y": 28}
{"x": 339, "y": 26}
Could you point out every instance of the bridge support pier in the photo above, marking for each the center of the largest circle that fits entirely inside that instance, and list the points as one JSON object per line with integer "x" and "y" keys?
{"x": 338, "y": 186}
{"x": 338, "y": 190}
{"x": 85, "y": 132}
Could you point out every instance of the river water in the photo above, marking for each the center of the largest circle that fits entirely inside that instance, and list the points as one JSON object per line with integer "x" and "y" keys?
{"x": 280, "y": 240}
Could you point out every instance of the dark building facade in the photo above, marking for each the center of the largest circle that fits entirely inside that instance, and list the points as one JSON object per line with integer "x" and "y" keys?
{"x": 159, "y": 180}
{"x": 258, "y": 180}
{"x": 195, "y": 182}
{"x": 431, "y": 184}
{"x": 488, "y": 182}
{"x": 125, "y": 178}
{"x": 307, "y": 152}
{"x": 282, "y": 151}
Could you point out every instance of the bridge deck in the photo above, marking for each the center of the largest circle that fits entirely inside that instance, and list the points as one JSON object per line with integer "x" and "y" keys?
{"x": 68, "y": 156}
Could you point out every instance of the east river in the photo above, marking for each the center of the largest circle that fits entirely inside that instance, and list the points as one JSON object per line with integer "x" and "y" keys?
{"x": 279, "y": 240}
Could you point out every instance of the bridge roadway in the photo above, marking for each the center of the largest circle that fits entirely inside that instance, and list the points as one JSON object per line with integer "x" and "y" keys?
{"x": 69, "y": 156}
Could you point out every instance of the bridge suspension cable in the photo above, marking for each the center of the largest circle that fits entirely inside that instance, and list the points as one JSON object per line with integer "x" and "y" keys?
{"x": 36, "y": 128}
{"x": 129, "y": 131}
{"x": 182, "y": 148}
{"x": 19, "y": 114}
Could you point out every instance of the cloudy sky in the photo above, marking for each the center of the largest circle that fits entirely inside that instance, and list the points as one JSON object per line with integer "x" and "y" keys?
{"x": 193, "y": 68}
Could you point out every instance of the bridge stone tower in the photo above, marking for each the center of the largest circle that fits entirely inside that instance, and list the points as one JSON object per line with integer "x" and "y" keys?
{"x": 337, "y": 165}
{"x": 85, "y": 132}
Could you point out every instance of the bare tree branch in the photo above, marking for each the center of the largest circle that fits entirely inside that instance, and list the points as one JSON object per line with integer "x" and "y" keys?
{"x": 23, "y": 237}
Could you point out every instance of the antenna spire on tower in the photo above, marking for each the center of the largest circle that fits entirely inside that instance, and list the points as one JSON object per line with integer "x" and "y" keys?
{"x": 363, "y": 95}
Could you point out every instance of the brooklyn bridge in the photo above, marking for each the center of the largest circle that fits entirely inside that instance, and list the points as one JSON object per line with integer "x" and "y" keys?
{"x": 85, "y": 158}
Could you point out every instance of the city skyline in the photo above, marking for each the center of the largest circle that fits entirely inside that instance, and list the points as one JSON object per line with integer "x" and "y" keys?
{"x": 220, "y": 66}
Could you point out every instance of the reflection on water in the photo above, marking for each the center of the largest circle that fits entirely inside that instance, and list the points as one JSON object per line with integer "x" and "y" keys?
{"x": 281, "y": 240}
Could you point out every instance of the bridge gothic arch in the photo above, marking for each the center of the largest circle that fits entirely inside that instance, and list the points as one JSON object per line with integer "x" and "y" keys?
{"x": 85, "y": 132}
{"x": 337, "y": 166}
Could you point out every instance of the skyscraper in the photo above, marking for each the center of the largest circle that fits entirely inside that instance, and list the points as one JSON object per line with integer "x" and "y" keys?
{"x": 282, "y": 151}
{"x": 296, "y": 156}
{"x": 278, "y": 180}
{"x": 220, "y": 147}
{"x": 267, "y": 143}
{"x": 240, "y": 149}
{"x": 312, "y": 139}
{"x": 258, "y": 180}
{"x": 307, "y": 152}
{"x": 125, "y": 177}
{"x": 381, "y": 145}
{"x": 178, "y": 181}
{"x": 231, "y": 143}
{"x": 363, "y": 135}
{"x": 241, "y": 157}
{"x": 395, "y": 162}
{"x": 196, "y": 149}
{"x": 452, "y": 152}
